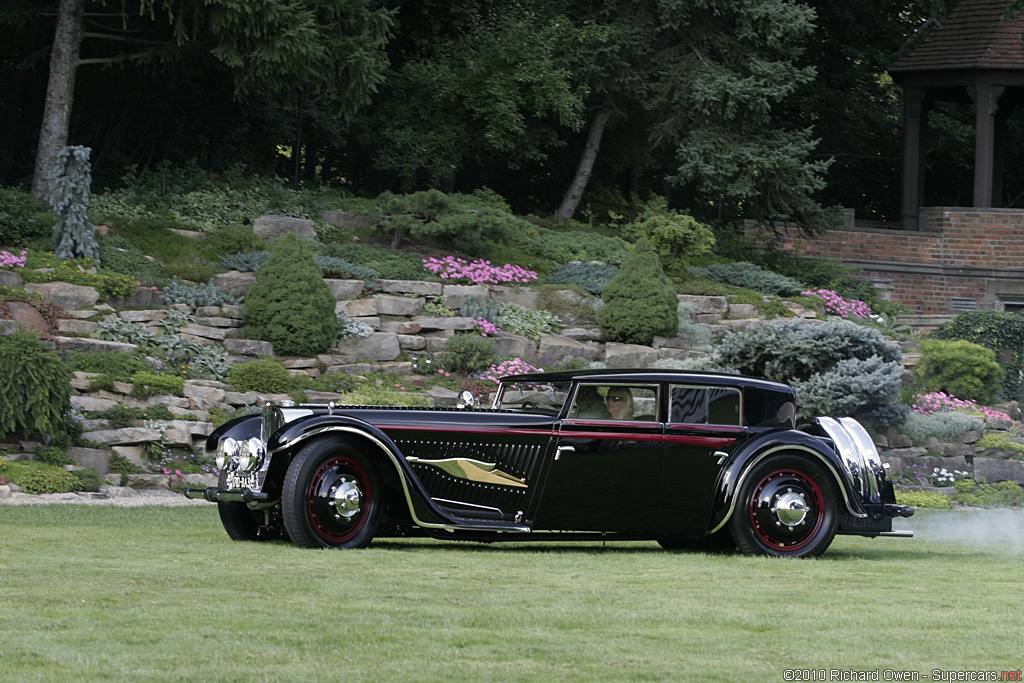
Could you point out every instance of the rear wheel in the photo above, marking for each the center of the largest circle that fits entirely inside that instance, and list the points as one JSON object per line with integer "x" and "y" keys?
{"x": 786, "y": 508}
{"x": 331, "y": 497}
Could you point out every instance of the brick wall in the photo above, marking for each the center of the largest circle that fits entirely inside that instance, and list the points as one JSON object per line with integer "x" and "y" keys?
{"x": 959, "y": 259}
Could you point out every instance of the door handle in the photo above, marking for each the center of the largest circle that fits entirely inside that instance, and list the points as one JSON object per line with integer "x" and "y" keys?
{"x": 563, "y": 449}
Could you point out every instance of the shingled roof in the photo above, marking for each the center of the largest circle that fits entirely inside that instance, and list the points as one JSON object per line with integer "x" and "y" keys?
{"x": 975, "y": 35}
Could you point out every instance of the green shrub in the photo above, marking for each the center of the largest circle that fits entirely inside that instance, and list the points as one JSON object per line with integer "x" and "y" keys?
{"x": 52, "y": 455}
{"x": 22, "y": 218}
{"x": 38, "y": 478}
{"x": 640, "y": 302}
{"x": 750, "y": 276}
{"x": 122, "y": 465}
{"x": 244, "y": 262}
{"x": 146, "y": 384}
{"x": 998, "y": 494}
{"x": 958, "y": 367}
{"x": 231, "y": 239}
{"x": 290, "y": 305}
{"x": 867, "y": 389}
{"x": 592, "y": 277}
{"x": 531, "y": 323}
{"x": 3, "y": 464}
{"x": 350, "y": 328}
{"x": 565, "y": 246}
{"x": 475, "y": 307}
{"x": 673, "y": 235}
{"x": 1001, "y": 331}
{"x": 88, "y": 479}
{"x": 35, "y": 385}
{"x": 338, "y": 382}
{"x": 177, "y": 292}
{"x": 944, "y": 426}
{"x": 468, "y": 353}
{"x": 265, "y": 375}
{"x": 372, "y": 395}
{"x": 1000, "y": 441}
{"x": 384, "y": 263}
{"x": 119, "y": 365}
{"x": 73, "y": 236}
{"x": 923, "y": 499}
{"x": 121, "y": 256}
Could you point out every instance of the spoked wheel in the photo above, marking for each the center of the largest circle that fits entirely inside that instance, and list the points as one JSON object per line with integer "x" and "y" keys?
{"x": 786, "y": 508}
{"x": 331, "y": 497}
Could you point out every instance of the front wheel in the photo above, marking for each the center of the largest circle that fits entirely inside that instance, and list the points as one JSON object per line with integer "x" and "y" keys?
{"x": 786, "y": 507}
{"x": 331, "y": 497}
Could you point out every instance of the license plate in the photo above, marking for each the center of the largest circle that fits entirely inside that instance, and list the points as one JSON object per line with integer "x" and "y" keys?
{"x": 241, "y": 481}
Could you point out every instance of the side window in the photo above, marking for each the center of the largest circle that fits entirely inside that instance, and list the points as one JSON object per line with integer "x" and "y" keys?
{"x": 615, "y": 402}
{"x": 704, "y": 405}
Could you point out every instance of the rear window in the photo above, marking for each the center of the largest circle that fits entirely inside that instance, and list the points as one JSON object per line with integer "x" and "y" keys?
{"x": 704, "y": 405}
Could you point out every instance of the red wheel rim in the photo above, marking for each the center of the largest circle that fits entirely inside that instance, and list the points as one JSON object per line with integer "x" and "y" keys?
{"x": 770, "y": 517}
{"x": 329, "y": 521}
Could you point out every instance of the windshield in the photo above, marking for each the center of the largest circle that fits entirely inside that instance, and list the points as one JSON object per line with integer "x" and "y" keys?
{"x": 544, "y": 397}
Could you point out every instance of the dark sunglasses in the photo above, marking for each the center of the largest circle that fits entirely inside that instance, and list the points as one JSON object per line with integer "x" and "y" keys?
{"x": 615, "y": 399}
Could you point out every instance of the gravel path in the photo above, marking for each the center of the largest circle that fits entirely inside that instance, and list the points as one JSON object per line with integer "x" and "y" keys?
{"x": 119, "y": 496}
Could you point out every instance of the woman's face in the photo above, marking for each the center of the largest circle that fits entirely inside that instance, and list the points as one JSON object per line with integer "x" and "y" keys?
{"x": 618, "y": 404}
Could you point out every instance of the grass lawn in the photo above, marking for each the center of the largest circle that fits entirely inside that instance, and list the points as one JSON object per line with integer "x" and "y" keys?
{"x": 103, "y": 593}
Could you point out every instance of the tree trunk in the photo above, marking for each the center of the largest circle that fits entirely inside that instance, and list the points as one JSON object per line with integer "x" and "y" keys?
{"x": 60, "y": 90}
{"x": 572, "y": 197}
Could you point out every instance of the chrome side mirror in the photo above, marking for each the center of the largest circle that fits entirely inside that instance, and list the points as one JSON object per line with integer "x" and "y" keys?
{"x": 466, "y": 400}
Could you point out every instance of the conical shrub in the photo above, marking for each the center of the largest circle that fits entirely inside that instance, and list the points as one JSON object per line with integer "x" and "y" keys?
{"x": 640, "y": 302}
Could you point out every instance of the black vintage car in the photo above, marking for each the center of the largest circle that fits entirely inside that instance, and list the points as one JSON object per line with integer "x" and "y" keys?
{"x": 691, "y": 460}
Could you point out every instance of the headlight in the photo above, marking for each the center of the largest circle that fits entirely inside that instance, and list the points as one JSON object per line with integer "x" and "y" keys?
{"x": 227, "y": 452}
{"x": 251, "y": 455}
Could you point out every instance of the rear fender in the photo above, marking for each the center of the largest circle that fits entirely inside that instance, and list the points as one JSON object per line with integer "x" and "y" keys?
{"x": 775, "y": 443}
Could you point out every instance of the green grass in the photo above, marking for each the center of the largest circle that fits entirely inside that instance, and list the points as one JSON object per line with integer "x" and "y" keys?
{"x": 101, "y": 593}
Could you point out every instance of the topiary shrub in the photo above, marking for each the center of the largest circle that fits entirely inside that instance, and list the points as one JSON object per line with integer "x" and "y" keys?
{"x": 960, "y": 368}
{"x": 264, "y": 375}
{"x": 35, "y": 385}
{"x": 290, "y": 305}
{"x": 1001, "y": 331}
{"x": 640, "y": 302}
{"x": 468, "y": 353}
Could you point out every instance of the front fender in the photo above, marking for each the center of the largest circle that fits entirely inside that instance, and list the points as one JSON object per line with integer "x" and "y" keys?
{"x": 756, "y": 450}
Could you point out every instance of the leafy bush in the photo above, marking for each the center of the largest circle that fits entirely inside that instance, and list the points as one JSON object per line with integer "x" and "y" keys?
{"x": 923, "y": 499}
{"x": 943, "y": 426}
{"x": 35, "y": 385}
{"x": 231, "y": 239}
{"x": 290, "y": 305}
{"x": 22, "y": 218}
{"x": 998, "y": 494}
{"x": 531, "y": 323}
{"x": 38, "y": 478}
{"x": 1000, "y": 441}
{"x": 1001, "y": 331}
{"x": 146, "y": 384}
{"x": 120, "y": 330}
{"x": 122, "y": 465}
{"x": 563, "y": 246}
{"x": 53, "y": 455}
{"x": 349, "y": 328}
{"x": 265, "y": 375}
{"x": 792, "y": 350}
{"x": 750, "y": 276}
{"x": 964, "y": 369}
{"x": 853, "y": 387}
{"x": 468, "y": 353}
{"x": 209, "y": 294}
{"x": 673, "y": 234}
{"x": 338, "y": 382}
{"x": 640, "y": 302}
{"x": 592, "y": 277}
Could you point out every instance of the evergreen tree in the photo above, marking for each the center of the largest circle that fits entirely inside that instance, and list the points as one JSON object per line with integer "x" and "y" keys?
{"x": 290, "y": 305}
{"x": 640, "y": 302}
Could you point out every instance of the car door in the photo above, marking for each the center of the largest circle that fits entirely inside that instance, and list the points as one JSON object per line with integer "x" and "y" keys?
{"x": 704, "y": 423}
{"x": 604, "y": 473}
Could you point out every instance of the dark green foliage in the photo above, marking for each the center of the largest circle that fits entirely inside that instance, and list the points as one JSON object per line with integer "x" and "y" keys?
{"x": 837, "y": 368}
{"x": 52, "y": 455}
{"x": 999, "y": 494}
{"x": 146, "y": 384}
{"x": 121, "y": 416}
{"x": 590, "y": 276}
{"x": 264, "y": 375}
{"x": 88, "y": 479}
{"x": 290, "y": 305}
{"x": 22, "y": 219}
{"x": 385, "y": 263}
{"x": 640, "y": 302}
{"x": 675, "y": 236}
{"x": 122, "y": 465}
{"x": 960, "y": 368}
{"x": 565, "y": 246}
{"x": 121, "y": 256}
{"x": 467, "y": 353}
{"x": 1001, "y": 331}
{"x": 35, "y": 385}
{"x": 750, "y": 276}
{"x": 334, "y": 267}
{"x": 338, "y": 382}
{"x": 38, "y": 478}
{"x": 245, "y": 262}
{"x": 231, "y": 239}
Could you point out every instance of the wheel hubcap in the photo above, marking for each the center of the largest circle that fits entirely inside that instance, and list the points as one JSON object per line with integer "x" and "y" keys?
{"x": 786, "y": 510}
{"x": 337, "y": 498}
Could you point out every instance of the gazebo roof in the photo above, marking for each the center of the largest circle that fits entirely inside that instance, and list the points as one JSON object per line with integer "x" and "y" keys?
{"x": 976, "y": 35}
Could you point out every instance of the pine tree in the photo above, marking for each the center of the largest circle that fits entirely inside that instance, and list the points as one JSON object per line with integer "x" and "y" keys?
{"x": 640, "y": 302}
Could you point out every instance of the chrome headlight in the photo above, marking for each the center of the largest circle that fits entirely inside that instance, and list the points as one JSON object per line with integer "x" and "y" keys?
{"x": 227, "y": 452}
{"x": 251, "y": 455}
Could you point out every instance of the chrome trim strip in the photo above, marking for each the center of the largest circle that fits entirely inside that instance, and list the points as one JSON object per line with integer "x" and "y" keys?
{"x": 787, "y": 447}
{"x": 897, "y": 533}
{"x": 401, "y": 477}
{"x": 468, "y": 505}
